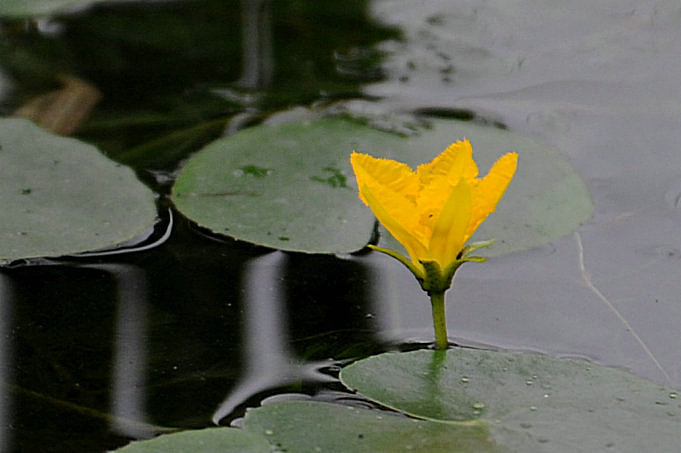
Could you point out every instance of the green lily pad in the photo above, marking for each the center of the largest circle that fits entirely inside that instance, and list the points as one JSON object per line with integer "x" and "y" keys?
{"x": 212, "y": 440}
{"x": 308, "y": 426}
{"x": 32, "y": 8}
{"x": 60, "y": 196}
{"x": 567, "y": 405}
{"x": 290, "y": 186}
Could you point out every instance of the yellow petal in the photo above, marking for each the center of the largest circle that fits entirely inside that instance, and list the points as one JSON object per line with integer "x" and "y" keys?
{"x": 451, "y": 225}
{"x": 397, "y": 176}
{"x": 454, "y": 162}
{"x": 374, "y": 175}
{"x": 489, "y": 190}
{"x": 431, "y": 200}
{"x": 440, "y": 176}
{"x": 402, "y": 233}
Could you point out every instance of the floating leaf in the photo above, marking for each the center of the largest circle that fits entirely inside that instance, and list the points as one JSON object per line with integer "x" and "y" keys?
{"x": 308, "y": 426}
{"x": 290, "y": 186}
{"x": 228, "y": 440}
{"x": 60, "y": 196}
{"x": 566, "y": 405}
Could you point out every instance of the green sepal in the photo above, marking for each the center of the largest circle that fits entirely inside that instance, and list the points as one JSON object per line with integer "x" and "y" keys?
{"x": 402, "y": 259}
{"x": 435, "y": 279}
{"x": 451, "y": 270}
{"x": 475, "y": 259}
{"x": 473, "y": 246}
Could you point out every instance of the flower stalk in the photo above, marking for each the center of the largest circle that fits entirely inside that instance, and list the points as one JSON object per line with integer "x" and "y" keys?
{"x": 437, "y": 302}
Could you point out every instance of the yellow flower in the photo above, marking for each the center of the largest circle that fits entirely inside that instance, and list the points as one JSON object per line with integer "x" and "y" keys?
{"x": 434, "y": 210}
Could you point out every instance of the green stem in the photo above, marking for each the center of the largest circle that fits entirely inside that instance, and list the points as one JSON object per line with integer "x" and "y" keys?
{"x": 437, "y": 301}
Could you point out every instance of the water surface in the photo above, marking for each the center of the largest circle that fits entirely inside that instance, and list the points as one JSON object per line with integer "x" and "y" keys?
{"x": 94, "y": 352}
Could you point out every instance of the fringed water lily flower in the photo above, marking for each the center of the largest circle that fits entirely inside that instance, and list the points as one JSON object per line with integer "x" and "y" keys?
{"x": 432, "y": 212}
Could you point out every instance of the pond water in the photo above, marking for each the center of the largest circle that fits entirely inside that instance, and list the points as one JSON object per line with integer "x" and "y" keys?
{"x": 96, "y": 351}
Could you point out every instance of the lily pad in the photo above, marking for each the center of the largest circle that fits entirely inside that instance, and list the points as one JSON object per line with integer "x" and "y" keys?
{"x": 60, "y": 196}
{"x": 290, "y": 186}
{"x": 32, "y": 8}
{"x": 308, "y": 426}
{"x": 567, "y": 405}
{"x": 205, "y": 441}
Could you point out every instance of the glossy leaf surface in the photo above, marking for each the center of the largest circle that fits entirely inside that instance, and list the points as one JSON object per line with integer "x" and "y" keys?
{"x": 566, "y": 405}
{"x": 60, "y": 196}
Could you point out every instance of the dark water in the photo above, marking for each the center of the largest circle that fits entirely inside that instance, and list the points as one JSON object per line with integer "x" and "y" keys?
{"x": 97, "y": 351}
{"x": 94, "y": 352}
{"x": 170, "y": 337}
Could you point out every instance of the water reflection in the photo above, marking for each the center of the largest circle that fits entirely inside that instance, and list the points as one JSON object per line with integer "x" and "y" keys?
{"x": 95, "y": 353}
{"x": 398, "y": 318}
{"x": 6, "y": 399}
{"x": 269, "y": 362}
{"x": 257, "y": 59}
{"x": 128, "y": 386}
